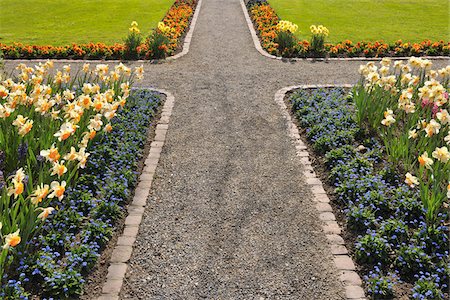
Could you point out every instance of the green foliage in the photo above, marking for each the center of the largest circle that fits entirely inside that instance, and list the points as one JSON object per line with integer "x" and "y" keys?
{"x": 157, "y": 45}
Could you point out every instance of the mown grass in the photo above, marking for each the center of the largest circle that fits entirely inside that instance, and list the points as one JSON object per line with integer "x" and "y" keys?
{"x": 370, "y": 20}
{"x": 62, "y": 22}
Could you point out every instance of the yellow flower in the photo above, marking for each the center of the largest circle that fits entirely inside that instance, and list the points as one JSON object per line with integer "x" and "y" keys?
{"x": 107, "y": 127}
{"x": 12, "y": 239}
{"x": 441, "y": 154}
{"x": 82, "y": 158}
{"x": 66, "y": 130}
{"x": 51, "y": 154}
{"x": 95, "y": 123}
{"x": 432, "y": 128}
{"x": 412, "y": 134}
{"x": 411, "y": 180}
{"x": 57, "y": 190}
{"x": 388, "y": 118}
{"x": 58, "y": 168}
{"x": 72, "y": 155}
{"x": 287, "y": 26}
{"x": 424, "y": 160}
{"x": 134, "y": 27}
{"x": 45, "y": 213}
{"x": 39, "y": 194}
{"x": 443, "y": 116}
{"x": 86, "y": 68}
{"x": 23, "y": 130}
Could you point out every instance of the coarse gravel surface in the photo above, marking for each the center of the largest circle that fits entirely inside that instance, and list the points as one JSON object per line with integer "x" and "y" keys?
{"x": 230, "y": 215}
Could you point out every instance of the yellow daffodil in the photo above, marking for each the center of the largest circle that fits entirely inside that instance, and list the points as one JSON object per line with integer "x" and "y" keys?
{"x": 432, "y": 128}
{"x": 425, "y": 161}
{"x": 411, "y": 180}
{"x": 12, "y": 240}
{"x": 58, "y": 168}
{"x": 86, "y": 68}
{"x": 66, "y": 130}
{"x": 412, "y": 134}
{"x": 107, "y": 128}
{"x": 287, "y": 26}
{"x": 388, "y": 118}
{"x": 58, "y": 190}
{"x": 441, "y": 154}
{"x": 51, "y": 154}
{"x": 443, "y": 116}
{"x": 82, "y": 157}
{"x": 40, "y": 193}
{"x": 45, "y": 213}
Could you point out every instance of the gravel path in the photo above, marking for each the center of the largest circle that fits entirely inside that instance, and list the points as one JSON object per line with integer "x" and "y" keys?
{"x": 230, "y": 215}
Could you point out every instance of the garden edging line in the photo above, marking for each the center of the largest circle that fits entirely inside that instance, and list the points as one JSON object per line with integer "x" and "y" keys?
{"x": 124, "y": 247}
{"x": 186, "y": 45}
{"x": 344, "y": 263}
{"x": 263, "y": 52}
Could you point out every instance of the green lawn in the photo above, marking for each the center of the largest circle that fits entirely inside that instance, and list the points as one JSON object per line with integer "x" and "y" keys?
{"x": 369, "y": 20}
{"x": 61, "y": 22}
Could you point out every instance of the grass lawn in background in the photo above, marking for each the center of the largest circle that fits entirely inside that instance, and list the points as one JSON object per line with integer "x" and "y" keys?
{"x": 62, "y": 22}
{"x": 369, "y": 20}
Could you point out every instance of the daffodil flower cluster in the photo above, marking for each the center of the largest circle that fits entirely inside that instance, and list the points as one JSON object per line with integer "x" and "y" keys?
{"x": 287, "y": 26}
{"x": 411, "y": 102}
{"x": 164, "y": 29}
{"x": 319, "y": 33}
{"x": 319, "y": 30}
{"x": 134, "y": 28}
{"x": 47, "y": 120}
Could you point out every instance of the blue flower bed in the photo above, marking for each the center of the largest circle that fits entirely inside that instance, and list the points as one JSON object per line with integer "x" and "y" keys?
{"x": 394, "y": 245}
{"x": 71, "y": 241}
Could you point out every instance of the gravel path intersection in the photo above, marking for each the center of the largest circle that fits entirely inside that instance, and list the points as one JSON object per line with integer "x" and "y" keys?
{"x": 229, "y": 214}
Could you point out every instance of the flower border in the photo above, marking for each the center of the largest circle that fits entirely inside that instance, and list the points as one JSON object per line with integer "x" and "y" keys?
{"x": 100, "y": 51}
{"x": 268, "y": 31}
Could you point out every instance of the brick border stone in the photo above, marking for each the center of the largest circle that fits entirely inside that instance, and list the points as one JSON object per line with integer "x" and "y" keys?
{"x": 344, "y": 263}
{"x": 124, "y": 248}
{"x": 263, "y": 52}
{"x": 186, "y": 45}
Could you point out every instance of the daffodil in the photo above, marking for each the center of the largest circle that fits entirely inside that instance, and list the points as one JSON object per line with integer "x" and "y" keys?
{"x": 412, "y": 134}
{"x": 443, "y": 116}
{"x": 40, "y": 193}
{"x": 66, "y": 130}
{"x": 388, "y": 118}
{"x": 51, "y": 154}
{"x": 58, "y": 168}
{"x": 411, "y": 180}
{"x": 12, "y": 239}
{"x": 432, "y": 128}
{"x": 441, "y": 154}
{"x": 425, "y": 161}
{"x": 58, "y": 190}
{"x": 45, "y": 213}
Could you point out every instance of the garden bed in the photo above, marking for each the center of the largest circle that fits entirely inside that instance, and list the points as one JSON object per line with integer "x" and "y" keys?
{"x": 169, "y": 41}
{"x": 265, "y": 21}
{"x": 54, "y": 257}
{"x": 399, "y": 242}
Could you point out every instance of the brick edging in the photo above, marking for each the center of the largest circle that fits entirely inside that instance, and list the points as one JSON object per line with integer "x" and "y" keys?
{"x": 344, "y": 263}
{"x": 186, "y": 45}
{"x": 263, "y": 52}
{"x": 124, "y": 247}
